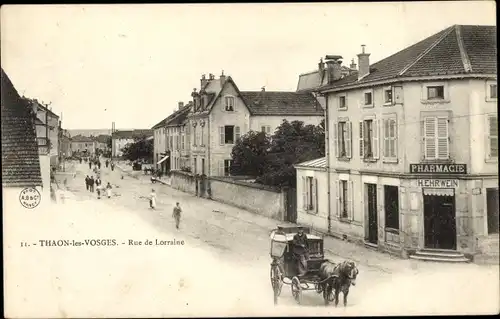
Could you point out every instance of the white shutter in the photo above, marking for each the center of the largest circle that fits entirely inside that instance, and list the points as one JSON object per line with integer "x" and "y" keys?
{"x": 393, "y": 127}
{"x": 313, "y": 197}
{"x": 304, "y": 193}
{"x": 221, "y": 168}
{"x": 375, "y": 139}
{"x": 387, "y": 141}
{"x": 316, "y": 201}
{"x": 335, "y": 138}
{"x": 492, "y": 136}
{"x": 337, "y": 196}
{"x": 221, "y": 135}
{"x": 443, "y": 145}
{"x": 361, "y": 141}
{"x": 237, "y": 134}
{"x": 430, "y": 138}
{"x": 348, "y": 139}
{"x": 350, "y": 195}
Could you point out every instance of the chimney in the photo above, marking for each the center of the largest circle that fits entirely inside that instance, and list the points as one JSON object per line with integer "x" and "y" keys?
{"x": 334, "y": 68}
{"x": 321, "y": 65}
{"x": 263, "y": 89}
{"x": 364, "y": 63}
{"x": 353, "y": 65}
{"x": 211, "y": 76}
{"x": 203, "y": 81}
{"x": 222, "y": 79}
{"x": 181, "y": 105}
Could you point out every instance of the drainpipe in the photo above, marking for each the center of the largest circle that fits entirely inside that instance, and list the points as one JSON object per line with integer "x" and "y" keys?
{"x": 327, "y": 151}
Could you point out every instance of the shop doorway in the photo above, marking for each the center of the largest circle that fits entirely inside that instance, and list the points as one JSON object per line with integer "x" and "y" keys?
{"x": 440, "y": 229}
{"x": 492, "y": 210}
{"x": 371, "y": 195}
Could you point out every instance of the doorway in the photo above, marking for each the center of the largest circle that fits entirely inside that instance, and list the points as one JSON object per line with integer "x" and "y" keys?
{"x": 439, "y": 219}
{"x": 371, "y": 192}
{"x": 492, "y": 210}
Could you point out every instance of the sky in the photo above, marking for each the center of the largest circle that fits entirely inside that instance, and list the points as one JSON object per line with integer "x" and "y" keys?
{"x": 132, "y": 64}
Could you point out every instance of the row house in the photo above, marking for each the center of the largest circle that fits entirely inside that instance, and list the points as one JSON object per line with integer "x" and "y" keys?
{"x": 160, "y": 155}
{"x": 221, "y": 114}
{"x": 119, "y": 139}
{"x": 177, "y": 138}
{"x": 412, "y": 148}
{"x": 65, "y": 144}
{"x": 20, "y": 158}
{"x": 83, "y": 145}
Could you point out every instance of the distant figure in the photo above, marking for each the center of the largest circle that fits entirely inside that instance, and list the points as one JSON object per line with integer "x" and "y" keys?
{"x": 108, "y": 190}
{"x": 98, "y": 190}
{"x": 90, "y": 164}
{"x": 112, "y": 166}
{"x": 99, "y": 164}
{"x": 301, "y": 251}
{"x": 107, "y": 163}
{"x": 87, "y": 182}
{"x": 80, "y": 160}
{"x": 92, "y": 184}
{"x": 176, "y": 214}
{"x": 98, "y": 181}
{"x": 152, "y": 199}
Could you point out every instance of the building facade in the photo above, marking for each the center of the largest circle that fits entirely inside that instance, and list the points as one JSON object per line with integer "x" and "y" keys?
{"x": 119, "y": 139}
{"x": 413, "y": 146}
{"x": 82, "y": 146}
{"x": 177, "y": 138}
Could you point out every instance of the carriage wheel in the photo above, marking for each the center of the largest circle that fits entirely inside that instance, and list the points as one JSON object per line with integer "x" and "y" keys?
{"x": 276, "y": 282}
{"x": 296, "y": 290}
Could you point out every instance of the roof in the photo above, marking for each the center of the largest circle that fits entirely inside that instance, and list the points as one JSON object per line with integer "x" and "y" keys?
{"x": 20, "y": 159}
{"x": 169, "y": 118}
{"x": 315, "y": 163}
{"x": 81, "y": 138}
{"x": 102, "y": 138}
{"x": 456, "y": 50}
{"x": 180, "y": 116}
{"x": 130, "y": 134}
{"x": 40, "y": 105}
{"x": 281, "y": 103}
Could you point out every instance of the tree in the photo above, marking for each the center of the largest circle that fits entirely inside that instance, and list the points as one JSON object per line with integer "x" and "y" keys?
{"x": 141, "y": 148}
{"x": 108, "y": 141}
{"x": 292, "y": 143}
{"x": 249, "y": 154}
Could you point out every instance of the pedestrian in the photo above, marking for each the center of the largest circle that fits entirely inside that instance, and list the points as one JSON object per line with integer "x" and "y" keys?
{"x": 87, "y": 182}
{"x": 90, "y": 164}
{"x": 98, "y": 190}
{"x": 107, "y": 163}
{"x": 98, "y": 181}
{"x": 152, "y": 199}
{"x": 99, "y": 164}
{"x": 80, "y": 160}
{"x": 176, "y": 214}
{"x": 112, "y": 166}
{"x": 108, "y": 190}
{"x": 92, "y": 183}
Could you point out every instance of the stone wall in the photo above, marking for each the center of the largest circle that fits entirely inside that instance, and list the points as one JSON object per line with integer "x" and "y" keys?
{"x": 183, "y": 181}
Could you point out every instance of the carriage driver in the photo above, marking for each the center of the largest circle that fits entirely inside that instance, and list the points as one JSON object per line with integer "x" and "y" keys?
{"x": 301, "y": 251}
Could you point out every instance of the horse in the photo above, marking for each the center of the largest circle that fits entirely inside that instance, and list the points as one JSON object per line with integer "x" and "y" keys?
{"x": 337, "y": 278}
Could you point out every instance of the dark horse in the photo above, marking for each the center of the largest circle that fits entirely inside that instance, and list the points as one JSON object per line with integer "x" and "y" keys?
{"x": 337, "y": 278}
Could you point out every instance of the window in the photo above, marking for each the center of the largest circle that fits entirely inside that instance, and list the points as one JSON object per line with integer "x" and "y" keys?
{"x": 492, "y": 136}
{"x": 266, "y": 129}
{"x": 368, "y": 139}
{"x": 227, "y": 167}
{"x": 229, "y": 103}
{"x": 435, "y": 92}
{"x": 344, "y": 199}
{"x": 493, "y": 91}
{"x": 342, "y": 139}
{"x": 436, "y": 140}
{"x": 388, "y": 96}
{"x": 390, "y": 138}
{"x": 342, "y": 102}
{"x": 310, "y": 194}
{"x": 391, "y": 196}
{"x": 202, "y": 166}
{"x": 202, "y": 138}
{"x": 183, "y": 138}
{"x": 368, "y": 98}
{"x": 229, "y": 134}
{"x": 195, "y": 165}
{"x": 195, "y": 136}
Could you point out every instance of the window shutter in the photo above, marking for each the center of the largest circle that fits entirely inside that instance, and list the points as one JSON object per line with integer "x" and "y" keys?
{"x": 313, "y": 197}
{"x": 394, "y": 135}
{"x": 304, "y": 193}
{"x": 430, "y": 138}
{"x": 337, "y": 196}
{"x": 263, "y": 129}
{"x": 237, "y": 134}
{"x": 221, "y": 135}
{"x": 443, "y": 144}
{"x": 492, "y": 136}
{"x": 375, "y": 139}
{"x": 221, "y": 168}
{"x": 387, "y": 141}
{"x": 335, "y": 138}
{"x": 398, "y": 95}
{"x": 361, "y": 141}
{"x": 348, "y": 139}
{"x": 316, "y": 202}
{"x": 350, "y": 195}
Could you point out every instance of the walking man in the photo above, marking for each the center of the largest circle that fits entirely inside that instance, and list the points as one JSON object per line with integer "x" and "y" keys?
{"x": 177, "y": 214}
{"x": 92, "y": 184}
{"x": 152, "y": 199}
{"x": 90, "y": 164}
{"x": 112, "y": 166}
{"x": 87, "y": 182}
{"x": 107, "y": 163}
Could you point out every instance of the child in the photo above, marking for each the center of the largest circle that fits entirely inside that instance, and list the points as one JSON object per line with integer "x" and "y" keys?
{"x": 108, "y": 190}
{"x": 176, "y": 214}
{"x": 152, "y": 199}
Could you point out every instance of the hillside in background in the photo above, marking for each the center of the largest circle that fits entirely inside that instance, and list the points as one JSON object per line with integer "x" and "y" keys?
{"x": 89, "y": 132}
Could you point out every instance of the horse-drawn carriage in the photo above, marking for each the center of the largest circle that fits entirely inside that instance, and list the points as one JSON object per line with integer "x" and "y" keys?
{"x": 322, "y": 275}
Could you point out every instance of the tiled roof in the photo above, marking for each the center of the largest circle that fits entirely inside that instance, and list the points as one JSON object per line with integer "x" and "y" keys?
{"x": 20, "y": 159}
{"x": 102, "y": 138}
{"x": 459, "y": 49}
{"x": 180, "y": 116}
{"x": 81, "y": 138}
{"x": 315, "y": 163}
{"x": 281, "y": 103}
{"x": 132, "y": 133}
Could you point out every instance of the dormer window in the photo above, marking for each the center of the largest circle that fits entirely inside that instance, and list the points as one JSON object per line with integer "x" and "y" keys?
{"x": 229, "y": 103}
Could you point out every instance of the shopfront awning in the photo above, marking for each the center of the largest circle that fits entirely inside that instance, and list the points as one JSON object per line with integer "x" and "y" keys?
{"x": 163, "y": 159}
{"x": 439, "y": 191}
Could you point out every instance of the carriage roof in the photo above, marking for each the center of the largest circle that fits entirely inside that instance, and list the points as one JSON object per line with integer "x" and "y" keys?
{"x": 286, "y": 233}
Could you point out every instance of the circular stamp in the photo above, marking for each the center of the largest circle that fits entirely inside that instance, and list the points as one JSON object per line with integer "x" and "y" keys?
{"x": 30, "y": 197}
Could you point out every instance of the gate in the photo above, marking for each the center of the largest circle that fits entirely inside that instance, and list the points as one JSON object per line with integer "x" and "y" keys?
{"x": 291, "y": 205}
